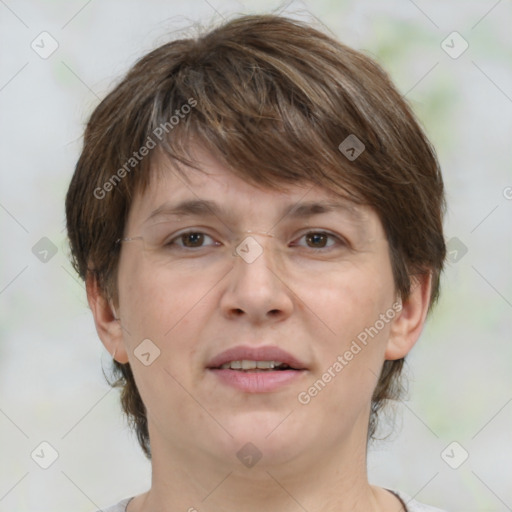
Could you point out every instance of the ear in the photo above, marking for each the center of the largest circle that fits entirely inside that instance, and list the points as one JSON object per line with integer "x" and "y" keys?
{"x": 108, "y": 326}
{"x": 407, "y": 326}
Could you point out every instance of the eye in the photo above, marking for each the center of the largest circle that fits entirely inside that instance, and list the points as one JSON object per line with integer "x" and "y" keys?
{"x": 191, "y": 240}
{"x": 320, "y": 240}
{"x": 198, "y": 239}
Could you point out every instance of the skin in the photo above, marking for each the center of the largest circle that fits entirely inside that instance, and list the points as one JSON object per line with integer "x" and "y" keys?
{"x": 312, "y": 304}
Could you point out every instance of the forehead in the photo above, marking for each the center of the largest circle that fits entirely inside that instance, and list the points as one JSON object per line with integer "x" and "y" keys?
{"x": 213, "y": 190}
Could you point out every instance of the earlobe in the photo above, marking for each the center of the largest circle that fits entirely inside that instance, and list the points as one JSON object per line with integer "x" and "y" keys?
{"x": 108, "y": 325}
{"x": 408, "y": 324}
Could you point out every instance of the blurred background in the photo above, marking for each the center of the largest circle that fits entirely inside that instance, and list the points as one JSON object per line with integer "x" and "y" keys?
{"x": 452, "y": 60}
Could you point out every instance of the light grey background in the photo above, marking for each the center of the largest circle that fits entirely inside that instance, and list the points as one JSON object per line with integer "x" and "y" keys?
{"x": 51, "y": 384}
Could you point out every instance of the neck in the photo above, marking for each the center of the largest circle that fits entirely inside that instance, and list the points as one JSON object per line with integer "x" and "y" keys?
{"x": 329, "y": 481}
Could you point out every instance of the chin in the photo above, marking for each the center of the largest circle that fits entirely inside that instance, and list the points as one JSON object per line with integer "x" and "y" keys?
{"x": 266, "y": 436}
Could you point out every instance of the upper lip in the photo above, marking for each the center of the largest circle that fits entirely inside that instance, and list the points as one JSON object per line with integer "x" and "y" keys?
{"x": 269, "y": 353}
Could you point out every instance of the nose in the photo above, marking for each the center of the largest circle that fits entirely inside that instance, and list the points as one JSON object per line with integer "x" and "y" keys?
{"x": 256, "y": 288}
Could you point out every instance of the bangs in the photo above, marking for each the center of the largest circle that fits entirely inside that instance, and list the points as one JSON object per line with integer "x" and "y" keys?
{"x": 269, "y": 121}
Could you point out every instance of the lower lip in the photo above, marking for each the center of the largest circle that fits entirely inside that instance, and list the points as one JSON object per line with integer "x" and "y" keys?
{"x": 257, "y": 382}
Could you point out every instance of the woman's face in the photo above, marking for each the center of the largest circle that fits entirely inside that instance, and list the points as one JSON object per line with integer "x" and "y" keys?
{"x": 302, "y": 277}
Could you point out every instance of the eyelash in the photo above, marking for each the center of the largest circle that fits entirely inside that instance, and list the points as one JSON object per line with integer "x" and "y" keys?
{"x": 339, "y": 240}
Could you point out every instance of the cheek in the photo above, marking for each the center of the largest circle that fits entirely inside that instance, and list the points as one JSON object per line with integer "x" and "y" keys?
{"x": 168, "y": 309}
{"x": 351, "y": 351}
{"x": 155, "y": 303}
{"x": 161, "y": 310}
{"x": 351, "y": 301}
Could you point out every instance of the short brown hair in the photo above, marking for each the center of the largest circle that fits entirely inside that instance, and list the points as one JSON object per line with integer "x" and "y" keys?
{"x": 273, "y": 98}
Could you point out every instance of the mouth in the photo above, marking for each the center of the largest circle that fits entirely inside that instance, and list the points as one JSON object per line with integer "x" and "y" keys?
{"x": 256, "y": 380}
{"x": 256, "y": 370}
{"x": 255, "y": 366}
{"x": 247, "y": 358}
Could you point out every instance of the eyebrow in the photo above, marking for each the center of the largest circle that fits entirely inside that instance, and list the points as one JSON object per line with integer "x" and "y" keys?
{"x": 208, "y": 208}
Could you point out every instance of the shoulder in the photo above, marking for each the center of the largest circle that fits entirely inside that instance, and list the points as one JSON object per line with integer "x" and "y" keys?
{"x": 118, "y": 507}
{"x": 415, "y": 506}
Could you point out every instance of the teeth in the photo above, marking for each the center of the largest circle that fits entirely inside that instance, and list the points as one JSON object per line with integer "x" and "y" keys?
{"x": 250, "y": 365}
